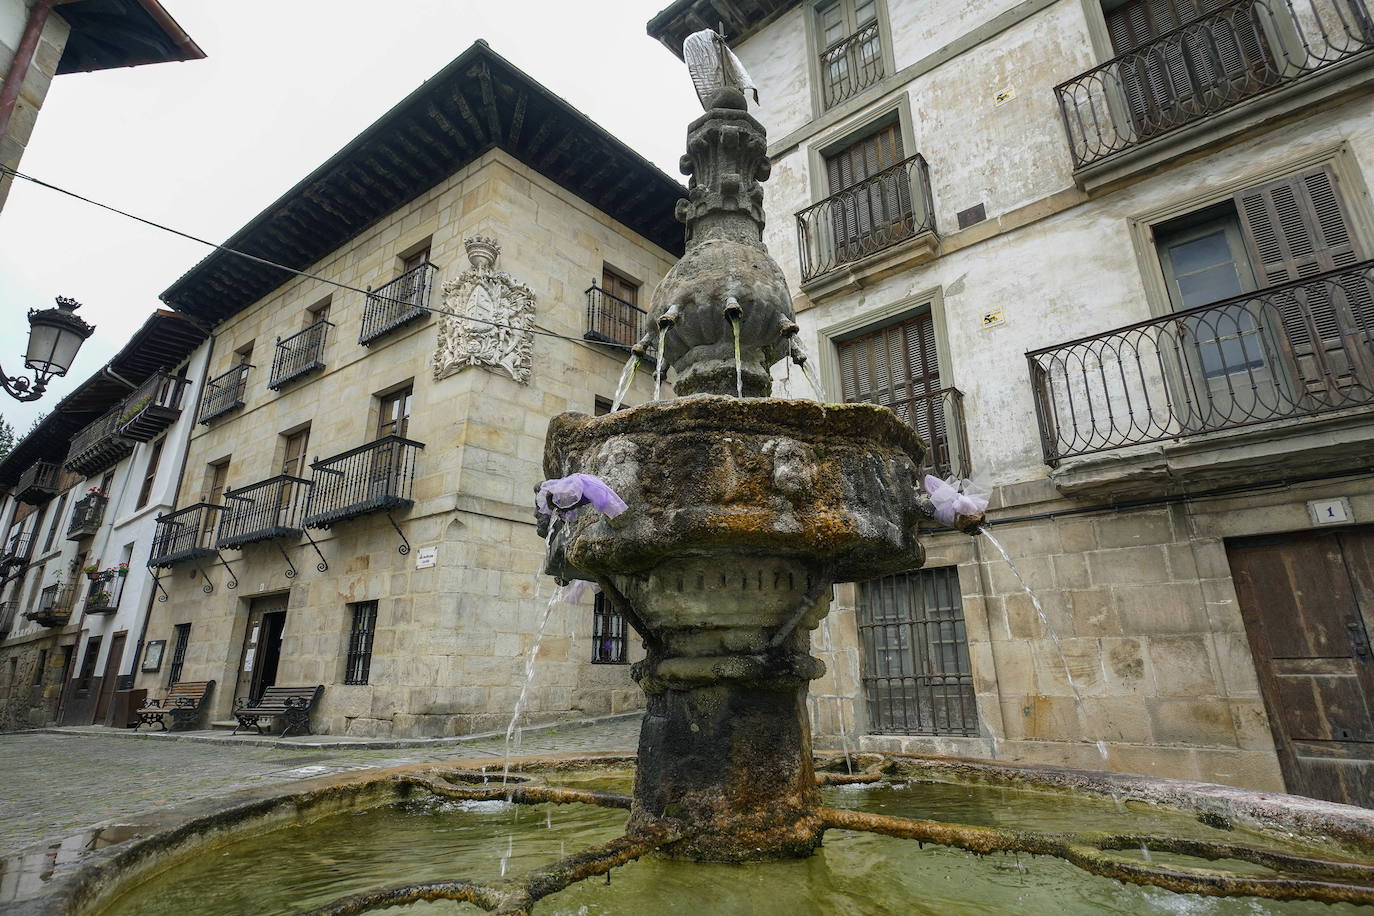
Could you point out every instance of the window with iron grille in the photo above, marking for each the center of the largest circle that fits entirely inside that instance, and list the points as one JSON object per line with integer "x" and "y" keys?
{"x": 178, "y": 652}
{"x": 88, "y": 662}
{"x": 360, "y": 642}
{"x": 608, "y": 634}
{"x": 915, "y": 663}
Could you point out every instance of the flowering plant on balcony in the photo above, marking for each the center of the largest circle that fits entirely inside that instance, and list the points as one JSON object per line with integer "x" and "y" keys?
{"x": 122, "y": 570}
{"x": 98, "y": 599}
{"x": 96, "y": 491}
{"x": 90, "y": 570}
{"x": 133, "y": 410}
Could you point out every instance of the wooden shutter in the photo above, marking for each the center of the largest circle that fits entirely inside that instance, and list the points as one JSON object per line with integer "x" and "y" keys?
{"x": 897, "y": 367}
{"x": 1297, "y": 227}
{"x": 881, "y": 206}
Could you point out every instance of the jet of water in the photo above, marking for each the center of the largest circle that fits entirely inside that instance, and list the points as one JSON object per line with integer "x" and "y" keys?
{"x": 510, "y": 848}
{"x": 739, "y": 368}
{"x": 513, "y": 732}
{"x": 661, "y": 367}
{"x": 623, "y": 386}
{"x": 801, "y": 359}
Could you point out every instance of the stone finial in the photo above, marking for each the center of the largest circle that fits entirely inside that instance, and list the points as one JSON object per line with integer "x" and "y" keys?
{"x": 482, "y": 251}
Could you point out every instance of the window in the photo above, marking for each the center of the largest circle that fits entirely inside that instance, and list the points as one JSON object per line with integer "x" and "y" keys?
{"x": 851, "y": 51}
{"x": 623, "y": 288}
{"x": 145, "y": 492}
{"x": 318, "y": 312}
{"x": 54, "y": 521}
{"x": 914, "y": 655}
{"x": 183, "y": 636}
{"x": 601, "y": 406}
{"x": 41, "y": 668}
{"x": 608, "y": 634}
{"x": 1251, "y": 355}
{"x": 88, "y": 663}
{"x": 293, "y": 452}
{"x": 394, "y": 417}
{"x": 216, "y": 478}
{"x": 360, "y": 634}
{"x": 412, "y": 261}
{"x": 876, "y": 207}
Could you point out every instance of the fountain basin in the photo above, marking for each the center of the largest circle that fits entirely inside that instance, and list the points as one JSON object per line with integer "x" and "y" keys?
{"x": 303, "y": 844}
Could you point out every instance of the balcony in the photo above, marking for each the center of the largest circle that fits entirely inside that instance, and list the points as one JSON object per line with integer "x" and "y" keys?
{"x": 877, "y": 227}
{"x": 299, "y": 355}
{"x": 87, "y": 515}
{"x": 99, "y": 446}
{"x": 376, "y": 477}
{"x": 185, "y": 535}
{"x": 38, "y": 483}
{"x": 851, "y": 65}
{"x": 1296, "y": 350}
{"x": 54, "y": 605}
{"x": 102, "y": 597}
{"x": 224, "y": 393}
{"x": 16, "y": 552}
{"x": 1244, "y": 50}
{"x": 611, "y": 319}
{"x": 939, "y": 418}
{"x": 264, "y": 511}
{"x": 397, "y": 304}
{"x": 153, "y": 406}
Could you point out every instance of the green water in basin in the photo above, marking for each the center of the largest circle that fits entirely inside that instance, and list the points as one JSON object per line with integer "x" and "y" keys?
{"x": 426, "y": 839}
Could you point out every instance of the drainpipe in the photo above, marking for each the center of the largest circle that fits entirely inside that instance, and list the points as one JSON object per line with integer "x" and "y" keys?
{"x": 23, "y": 58}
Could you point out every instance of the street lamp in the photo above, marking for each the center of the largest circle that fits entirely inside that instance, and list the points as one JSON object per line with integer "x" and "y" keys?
{"x": 54, "y": 337}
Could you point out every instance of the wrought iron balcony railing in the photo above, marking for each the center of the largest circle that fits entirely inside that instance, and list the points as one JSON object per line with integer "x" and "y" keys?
{"x": 398, "y": 303}
{"x": 263, "y": 511}
{"x": 611, "y": 319}
{"x": 1237, "y": 52}
{"x": 851, "y": 65}
{"x": 185, "y": 535}
{"x": 7, "y": 612}
{"x": 99, "y": 446}
{"x": 38, "y": 483}
{"x": 298, "y": 355}
{"x": 939, "y": 418}
{"x": 1294, "y": 350}
{"x": 376, "y": 477}
{"x": 54, "y": 607}
{"x": 878, "y": 213}
{"x": 152, "y": 407}
{"x": 87, "y": 514}
{"x": 16, "y": 552}
{"x": 224, "y": 393}
{"x": 103, "y": 594}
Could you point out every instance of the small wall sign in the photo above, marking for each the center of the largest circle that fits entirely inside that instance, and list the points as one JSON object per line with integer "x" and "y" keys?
{"x": 1004, "y": 95}
{"x": 426, "y": 557}
{"x": 1330, "y": 511}
{"x": 248, "y": 659}
{"x": 152, "y": 654}
{"x": 994, "y": 318}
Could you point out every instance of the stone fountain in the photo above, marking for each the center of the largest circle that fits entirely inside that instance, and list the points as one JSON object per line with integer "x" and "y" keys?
{"x": 744, "y": 511}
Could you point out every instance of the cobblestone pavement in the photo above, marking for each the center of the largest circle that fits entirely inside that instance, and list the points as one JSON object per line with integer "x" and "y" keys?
{"x": 54, "y": 784}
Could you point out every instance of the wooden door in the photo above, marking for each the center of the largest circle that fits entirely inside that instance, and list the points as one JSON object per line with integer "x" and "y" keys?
{"x": 1308, "y": 604}
{"x": 107, "y": 683}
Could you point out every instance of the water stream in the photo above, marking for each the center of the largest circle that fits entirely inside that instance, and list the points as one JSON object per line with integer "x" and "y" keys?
{"x": 739, "y": 368}
{"x": 661, "y": 367}
{"x": 513, "y": 731}
{"x": 626, "y": 376}
{"x": 1054, "y": 638}
{"x": 800, "y": 358}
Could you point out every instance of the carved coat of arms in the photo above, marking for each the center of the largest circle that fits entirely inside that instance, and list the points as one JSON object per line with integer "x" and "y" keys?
{"x": 491, "y": 320}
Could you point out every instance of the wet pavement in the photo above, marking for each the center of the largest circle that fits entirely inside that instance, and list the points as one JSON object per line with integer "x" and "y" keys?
{"x": 55, "y": 783}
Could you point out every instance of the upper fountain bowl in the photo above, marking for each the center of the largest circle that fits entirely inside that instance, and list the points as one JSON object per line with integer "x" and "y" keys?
{"x": 834, "y": 486}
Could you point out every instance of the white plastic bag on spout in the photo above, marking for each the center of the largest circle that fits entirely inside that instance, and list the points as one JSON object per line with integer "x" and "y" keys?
{"x": 953, "y": 497}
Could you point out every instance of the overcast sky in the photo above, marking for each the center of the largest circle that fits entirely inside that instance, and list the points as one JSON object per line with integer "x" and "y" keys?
{"x": 204, "y": 146}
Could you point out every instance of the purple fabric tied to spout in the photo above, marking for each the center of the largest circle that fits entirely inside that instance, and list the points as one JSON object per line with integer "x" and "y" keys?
{"x": 567, "y": 493}
{"x": 952, "y": 498}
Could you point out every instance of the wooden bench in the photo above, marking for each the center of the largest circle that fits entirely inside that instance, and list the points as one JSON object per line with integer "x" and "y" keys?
{"x": 182, "y": 703}
{"x": 292, "y": 704}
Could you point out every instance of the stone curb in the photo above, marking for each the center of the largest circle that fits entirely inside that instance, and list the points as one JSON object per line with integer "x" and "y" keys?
{"x": 338, "y": 745}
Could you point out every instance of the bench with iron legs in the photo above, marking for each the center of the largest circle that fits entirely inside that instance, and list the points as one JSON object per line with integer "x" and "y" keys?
{"x": 182, "y": 703}
{"x": 292, "y": 704}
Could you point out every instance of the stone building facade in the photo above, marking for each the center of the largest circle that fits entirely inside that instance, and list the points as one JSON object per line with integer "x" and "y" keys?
{"x": 356, "y": 509}
{"x": 85, "y": 489}
{"x": 992, "y": 216}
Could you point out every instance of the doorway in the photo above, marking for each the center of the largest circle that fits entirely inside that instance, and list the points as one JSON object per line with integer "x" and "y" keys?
{"x": 262, "y": 645}
{"x": 1307, "y": 601}
{"x": 107, "y": 683}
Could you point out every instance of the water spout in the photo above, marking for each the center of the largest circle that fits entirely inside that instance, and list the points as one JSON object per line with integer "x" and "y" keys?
{"x": 661, "y": 367}
{"x": 734, "y": 311}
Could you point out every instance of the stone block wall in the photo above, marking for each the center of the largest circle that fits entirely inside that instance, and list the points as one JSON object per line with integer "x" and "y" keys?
{"x": 36, "y": 81}
{"x": 29, "y": 696}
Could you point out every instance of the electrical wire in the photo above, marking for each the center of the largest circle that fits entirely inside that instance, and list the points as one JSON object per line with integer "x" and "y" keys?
{"x": 6, "y": 170}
